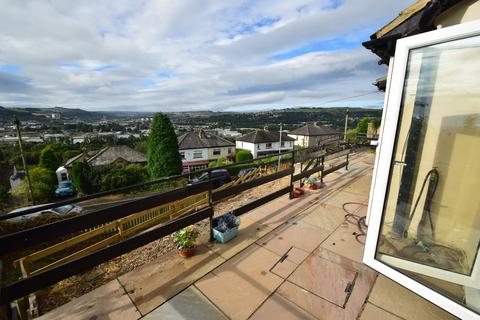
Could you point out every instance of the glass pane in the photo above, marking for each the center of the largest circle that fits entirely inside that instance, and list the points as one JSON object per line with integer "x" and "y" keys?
{"x": 431, "y": 218}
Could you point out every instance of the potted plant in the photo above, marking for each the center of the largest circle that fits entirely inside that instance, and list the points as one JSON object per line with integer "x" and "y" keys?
{"x": 186, "y": 240}
{"x": 312, "y": 184}
{"x": 226, "y": 227}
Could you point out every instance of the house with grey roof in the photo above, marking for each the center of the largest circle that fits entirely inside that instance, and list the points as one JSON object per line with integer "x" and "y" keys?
{"x": 311, "y": 135}
{"x": 265, "y": 142}
{"x": 112, "y": 155}
{"x": 198, "y": 148}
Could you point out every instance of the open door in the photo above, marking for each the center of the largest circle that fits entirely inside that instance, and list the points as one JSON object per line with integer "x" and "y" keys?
{"x": 424, "y": 214}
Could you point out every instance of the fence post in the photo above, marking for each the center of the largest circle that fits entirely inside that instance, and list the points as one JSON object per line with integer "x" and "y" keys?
{"x": 210, "y": 203}
{"x": 291, "y": 175}
{"x": 323, "y": 168}
{"x": 346, "y": 167}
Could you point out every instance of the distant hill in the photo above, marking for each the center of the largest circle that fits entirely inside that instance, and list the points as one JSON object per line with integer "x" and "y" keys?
{"x": 45, "y": 114}
{"x": 290, "y": 118}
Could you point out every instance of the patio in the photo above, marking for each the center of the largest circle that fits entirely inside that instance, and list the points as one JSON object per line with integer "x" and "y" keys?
{"x": 292, "y": 259}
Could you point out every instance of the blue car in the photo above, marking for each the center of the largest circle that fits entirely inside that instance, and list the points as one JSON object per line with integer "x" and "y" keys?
{"x": 64, "y": 189}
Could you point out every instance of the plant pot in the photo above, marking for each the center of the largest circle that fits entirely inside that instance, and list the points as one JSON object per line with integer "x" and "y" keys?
{"x": 312, "y": 187}
{"x": 226, "y": 236}
{"x": 186, "y": 252}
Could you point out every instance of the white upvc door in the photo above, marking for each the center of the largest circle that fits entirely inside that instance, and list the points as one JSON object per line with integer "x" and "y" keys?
{"x": 424, "y": 210}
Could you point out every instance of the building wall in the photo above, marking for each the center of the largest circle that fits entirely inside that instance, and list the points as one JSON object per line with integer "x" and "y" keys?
{"x": 463, "y": 12}
{"x": 224, "y": 152}
{"x": 262, "y": 148}
{"x": 313, "y": 141}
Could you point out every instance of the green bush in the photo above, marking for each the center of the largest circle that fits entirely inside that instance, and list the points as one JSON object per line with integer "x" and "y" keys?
{"x": 81, "y": 177}
{"x": 49, "y": 159}
{"x": 43, "y": 184}
{"x": 123, "y": 176}
{"x": 243, "y": 155}
{"x": 163, "y": 156}
{"x": 220, "y": 162}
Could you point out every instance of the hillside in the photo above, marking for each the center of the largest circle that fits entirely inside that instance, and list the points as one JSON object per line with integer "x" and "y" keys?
{"x": 44, "y": 114}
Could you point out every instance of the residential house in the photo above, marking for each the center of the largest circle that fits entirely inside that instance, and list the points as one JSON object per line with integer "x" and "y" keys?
{"x": 311, "y": 135}
{"x": 264, "y": 142}
{"x": 198, "y": 148}
{"x": 428, "y": 155}
{"x": 113, "y": 155}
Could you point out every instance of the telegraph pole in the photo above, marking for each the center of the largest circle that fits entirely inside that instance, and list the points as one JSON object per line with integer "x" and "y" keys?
{"x": 25, "y": 167}
{"x": 279, "y": 148}
{"x": 346, "y": 127}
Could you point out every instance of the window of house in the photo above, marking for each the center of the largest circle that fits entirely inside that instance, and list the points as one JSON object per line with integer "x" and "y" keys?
{"x": 282, "y": 144}
{"x": 182, "y": 154}
{"x": 216, "y": 152}
{"x": 424, "y": 216}
{"x": 268, "y": 146}
{"x": 64, "y": 176}
{"x": 229, "y": 150}
{"x": 197, "y": 154}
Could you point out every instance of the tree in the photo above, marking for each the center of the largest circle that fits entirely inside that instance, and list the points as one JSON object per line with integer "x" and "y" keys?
{"x": 163, "y": 156}
{"x": 362, "y": 125}
{"x": 81, "y": 177}
{"x": 243, "y": 155}
{"x": 49, "y": 158}
{"x": 43, "y": 184}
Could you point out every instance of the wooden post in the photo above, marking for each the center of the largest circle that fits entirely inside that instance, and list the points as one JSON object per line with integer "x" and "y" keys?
{"x": 293, "y": 171}
{"x": 25, "y": 167}
{"x": 210, "y": 204}
{"x": 346, "y": 167}
{"x": 323, "y": 168}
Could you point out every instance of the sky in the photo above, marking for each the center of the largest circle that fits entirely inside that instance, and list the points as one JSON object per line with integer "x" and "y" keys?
{"x": 189, "y": 55}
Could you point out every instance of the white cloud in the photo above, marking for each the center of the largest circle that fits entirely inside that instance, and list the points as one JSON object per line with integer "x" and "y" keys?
{"x": 184, "y": 55}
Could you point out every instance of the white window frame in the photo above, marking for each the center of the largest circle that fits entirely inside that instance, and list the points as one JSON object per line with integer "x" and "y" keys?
{"x": 390, "y": 119}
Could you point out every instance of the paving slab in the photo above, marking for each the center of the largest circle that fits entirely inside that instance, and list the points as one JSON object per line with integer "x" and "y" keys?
{"x": 152, "y": 284}
{"x": 106, "y": 302}
{"x": 324, "y": 309}
{"x": 248, "y": 233}
{"x": 190, "y": 304}
{"x": 279, "y": 308}
{"x": 284, "y": 268}
{"x": 273, "y": 214}
{"x": 372, "y": 312}
{"x": 343, "y": 196}
{"x": 342, "y": 241}
{"x": 243, "y": 283}
{"x": 296, "y": 234}
{"x": 400, "y": 301}
{"x": 324, "y": 216}
{"x": 324, "y": 278}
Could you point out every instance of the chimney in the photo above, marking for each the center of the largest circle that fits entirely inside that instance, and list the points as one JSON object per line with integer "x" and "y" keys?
{"x": 201, "y": 133}
{"x": 315, "y": 124}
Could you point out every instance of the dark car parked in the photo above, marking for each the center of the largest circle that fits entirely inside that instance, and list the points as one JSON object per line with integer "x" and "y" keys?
{"x": 219, "y": 178}
{"x": 64, "y": 189}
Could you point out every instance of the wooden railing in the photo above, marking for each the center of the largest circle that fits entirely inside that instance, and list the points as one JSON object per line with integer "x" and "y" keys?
{"x": 130, "y": 225}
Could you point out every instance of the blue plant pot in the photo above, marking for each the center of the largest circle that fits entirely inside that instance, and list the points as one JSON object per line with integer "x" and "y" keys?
{"x": 226, "y": 236}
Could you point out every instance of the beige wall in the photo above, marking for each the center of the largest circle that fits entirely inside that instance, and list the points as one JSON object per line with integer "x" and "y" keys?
{"x": 463, "y": 12}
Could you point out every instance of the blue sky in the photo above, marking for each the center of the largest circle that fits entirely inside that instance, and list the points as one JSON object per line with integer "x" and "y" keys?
{"x": 158, "y": 55}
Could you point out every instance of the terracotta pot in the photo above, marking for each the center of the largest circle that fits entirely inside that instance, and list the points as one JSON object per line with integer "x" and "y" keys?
{"x": 312, "y": 187}
{"x": 186, "y": 252}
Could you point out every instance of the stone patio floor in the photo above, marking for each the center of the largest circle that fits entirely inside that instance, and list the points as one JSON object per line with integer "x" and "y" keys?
{"x": 292, "y": 259}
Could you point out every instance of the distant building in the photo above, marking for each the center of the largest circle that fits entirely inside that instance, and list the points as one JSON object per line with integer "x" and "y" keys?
{"x": 114, "y": 155}
{"x": 16, "y": 178}
{"x": 56, "y": 116}
{"x": 228, "y": 132}
{"x": 311, "y": 135}
{"x": 199, "y": 148}
{"x": 264, "y": 142}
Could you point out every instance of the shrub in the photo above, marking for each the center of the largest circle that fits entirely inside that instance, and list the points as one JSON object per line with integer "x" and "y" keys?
{"x": 123, "y": 176}
{"x": 163, "y": 156}
{"x": 220, "y": 162}
{"x": 49, "y": 159}
{"x": 243, "y": 155}
{"x": 81, "y": 175}
{"x": 43, "y": 184}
